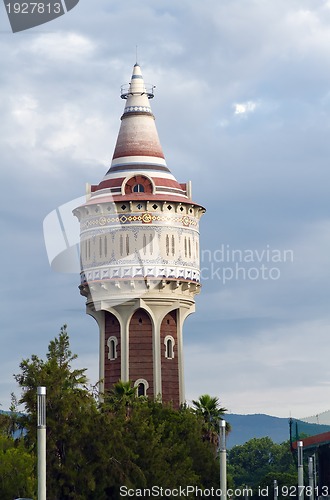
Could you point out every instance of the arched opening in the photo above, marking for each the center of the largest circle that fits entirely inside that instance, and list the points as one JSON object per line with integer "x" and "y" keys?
{"x": 141, "y": 390}
{"x": 112, "y": 346}
{"x": 141, "y": 387}
{"x": 138, "y": 188}
{"x": 112, "y": 349}
{"x": 169, "y": 346}
{"x": 138, "y": 184}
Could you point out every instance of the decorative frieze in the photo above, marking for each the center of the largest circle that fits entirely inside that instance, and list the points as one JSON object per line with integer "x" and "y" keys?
{"x": 139, "y": 272}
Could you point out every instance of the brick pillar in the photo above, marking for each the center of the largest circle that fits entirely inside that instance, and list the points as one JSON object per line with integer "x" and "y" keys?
{"x": 141, "y": 349}
{"x": 170, "y": 360}
{"x": 112, "y": 351}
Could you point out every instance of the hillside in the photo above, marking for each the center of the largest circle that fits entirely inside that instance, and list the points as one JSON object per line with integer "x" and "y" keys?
{"x": 245, "y": 427}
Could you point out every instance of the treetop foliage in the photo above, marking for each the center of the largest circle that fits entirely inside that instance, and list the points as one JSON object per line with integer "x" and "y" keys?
{"x": 259, "y": 461}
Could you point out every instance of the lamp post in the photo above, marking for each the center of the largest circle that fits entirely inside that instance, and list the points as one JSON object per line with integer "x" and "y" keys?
{"x": 300, "y": 445}
{"x": 311, "y": 477}
{"x": 223, "y": 459}
{"x": 41, "y": 435}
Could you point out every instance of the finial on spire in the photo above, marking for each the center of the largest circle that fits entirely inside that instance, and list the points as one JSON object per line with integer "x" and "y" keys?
{"x": 137, "y": 87}
{"x": 136, "y": 55}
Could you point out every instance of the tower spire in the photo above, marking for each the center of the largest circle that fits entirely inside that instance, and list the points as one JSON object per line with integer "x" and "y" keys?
{"x": 138, "y": 141}
{"x": 138, "y": 150}
{"x": 140, "y": 256}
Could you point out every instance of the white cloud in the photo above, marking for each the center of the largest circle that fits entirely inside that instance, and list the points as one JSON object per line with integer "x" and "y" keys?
{"x": 24, "y": 111}
{"x": 245, "y": 108}
{"x": 62, "y": 47}
{"x": 308, "y": 31}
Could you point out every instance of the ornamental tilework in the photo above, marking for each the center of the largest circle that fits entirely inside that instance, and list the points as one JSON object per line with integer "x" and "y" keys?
{"x": 134, "y": 109}
{"x": 144, "y": 218}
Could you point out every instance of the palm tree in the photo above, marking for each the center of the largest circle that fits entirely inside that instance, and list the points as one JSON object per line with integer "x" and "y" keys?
{"x": 121, "y": 395}
{"x": 211, "y": 412}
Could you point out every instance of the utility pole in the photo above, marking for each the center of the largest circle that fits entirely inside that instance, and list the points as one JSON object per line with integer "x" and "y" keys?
{"x": 41, "y": 434}
{"x": 223, "y": 459}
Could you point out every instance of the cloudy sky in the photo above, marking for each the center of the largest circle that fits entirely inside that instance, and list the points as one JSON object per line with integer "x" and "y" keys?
{"x": 243, "y": 110}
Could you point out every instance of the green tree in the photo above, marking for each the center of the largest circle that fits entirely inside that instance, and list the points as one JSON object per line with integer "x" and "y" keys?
{"x": 70, "y": 410}
{"x": 17, "y": 469}
{"x": 17, "y": 465}
{"x": 168, "y": 446}
{"x": 93, "y": 448}
{"x": 121, "y": 395}
{"x": 209, "y": 409}
{"x": 5, "y": 424}
{"x": 259, "y": 461}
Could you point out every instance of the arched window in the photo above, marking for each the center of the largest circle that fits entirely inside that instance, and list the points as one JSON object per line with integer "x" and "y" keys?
{"x": 141, "y": 390}
{"x": 169, "y": 347}
{"x": 142, "y": 387}
{"x": 112, "y": 346}
{"x": 138, "y": 188}
{"x": 138, "y": 184}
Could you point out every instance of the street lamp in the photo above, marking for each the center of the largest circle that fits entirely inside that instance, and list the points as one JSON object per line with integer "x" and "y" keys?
{"x": 311, "y": 477}
{"x": 300, "y": 445}
{"x": 41, "y": 434}
{"x": 223, "y": 459}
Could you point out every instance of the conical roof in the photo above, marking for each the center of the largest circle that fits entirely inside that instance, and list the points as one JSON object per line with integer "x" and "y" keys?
{"x": 138, "y": 169}
{"x": 138, "y": 143}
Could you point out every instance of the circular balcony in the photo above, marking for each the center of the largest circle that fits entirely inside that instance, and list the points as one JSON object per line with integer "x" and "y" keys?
{"x": 146, "y": 89}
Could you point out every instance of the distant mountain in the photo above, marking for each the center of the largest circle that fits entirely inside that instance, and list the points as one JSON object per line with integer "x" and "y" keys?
{"x": 246, "y": 427}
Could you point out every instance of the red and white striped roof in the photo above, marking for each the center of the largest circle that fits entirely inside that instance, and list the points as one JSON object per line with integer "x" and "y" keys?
{"x": 138, "y": 168}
